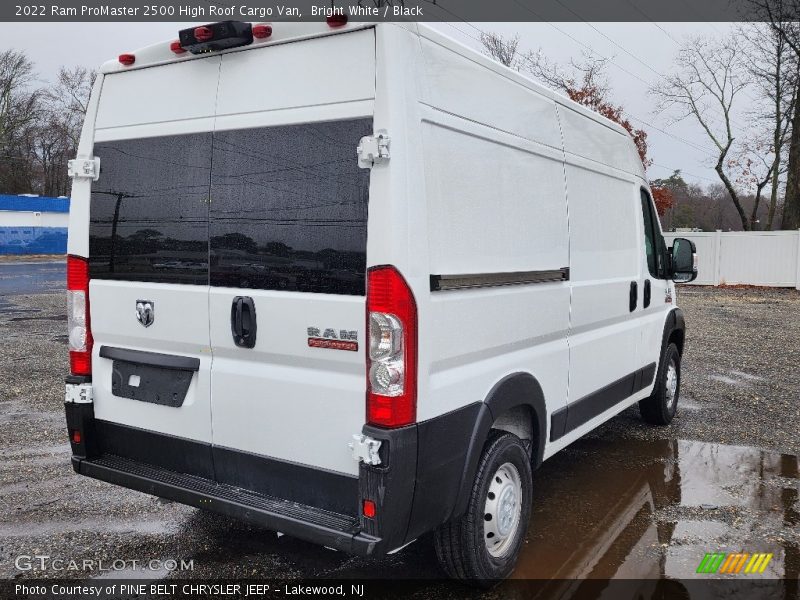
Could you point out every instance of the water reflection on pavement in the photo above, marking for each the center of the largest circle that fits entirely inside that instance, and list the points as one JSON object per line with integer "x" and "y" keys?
{"x": 648, "y": 510}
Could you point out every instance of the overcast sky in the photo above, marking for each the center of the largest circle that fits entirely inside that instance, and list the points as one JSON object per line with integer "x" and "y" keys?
{"x": 640, "y": 53}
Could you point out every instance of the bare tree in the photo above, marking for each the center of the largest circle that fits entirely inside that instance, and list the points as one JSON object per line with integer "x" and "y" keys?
{"x": 707, "y": 82}
{"x": 773, "y": 69}
{"x": 783, "y": 16}
{"x": 503, "y": 50}
{"x": 60, "y": 125}
{"x": 19, "y": 110}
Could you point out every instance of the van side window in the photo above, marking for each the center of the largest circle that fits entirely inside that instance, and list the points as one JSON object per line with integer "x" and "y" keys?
{"x": 654, "y": 244}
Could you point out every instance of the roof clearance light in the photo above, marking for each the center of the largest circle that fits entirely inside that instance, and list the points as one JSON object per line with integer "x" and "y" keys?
{"x": 336, "y": 20}
{"x": 176, "y": 47}
{"x": 262, "y": 31}
{"x": 203, "y": 34}
{"x": 127, "y": 59}
{"x": 214, "y": 37}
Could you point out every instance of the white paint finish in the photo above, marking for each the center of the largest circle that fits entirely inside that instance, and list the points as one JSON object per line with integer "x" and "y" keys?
{"x": 180, "y": 328}
{"x": 157, "y": 129}
{"x": 605, "y": 255}
{"x": 172, "y": 92}
{"x": 492, "y": 207}
{"x": 290, "y": 116}
{"x": 479, "y": 336}
{"x": 282, "y": 398}
{"x": 18, "y": 218}
{"x": 599, "y": 143}
{"x": 765, "y": 258}
{"x": 78, "y": 232}
{"x": 457, "y": 85}
{"x": 315, "y": 72}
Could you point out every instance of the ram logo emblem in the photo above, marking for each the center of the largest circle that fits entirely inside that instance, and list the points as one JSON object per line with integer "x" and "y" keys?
{"x": 145, "y": 312}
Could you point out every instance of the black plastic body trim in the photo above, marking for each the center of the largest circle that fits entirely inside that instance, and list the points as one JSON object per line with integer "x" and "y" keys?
{"x": 675, "y": 322}
{"x": 587, "y": 408}
{"x": 153, "y": 359}
{"x": 299, "y": 483}
{"x": 305, "y": 523}
{"x": 516, "y": 389}
{"x": 77, "y": 379}
{"x": 483, "y": 280}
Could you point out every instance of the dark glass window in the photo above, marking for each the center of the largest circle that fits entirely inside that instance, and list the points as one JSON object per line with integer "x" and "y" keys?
{"x": 654, "y": 244}
{"x": 289, "y": 208}
{"x": 149, "y": 210}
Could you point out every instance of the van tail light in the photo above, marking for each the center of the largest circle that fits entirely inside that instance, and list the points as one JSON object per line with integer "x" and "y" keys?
{"x": 392, "y": 349}
{"x": 176, "y": 47}
{"x": 127, "y": 59}
{"x": 78, "y": 326}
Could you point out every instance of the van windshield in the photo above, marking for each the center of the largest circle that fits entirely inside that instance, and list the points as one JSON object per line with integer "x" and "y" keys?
{"x": 275, "y": 208}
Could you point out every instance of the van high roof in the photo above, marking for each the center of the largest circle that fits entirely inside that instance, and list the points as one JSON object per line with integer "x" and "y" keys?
{"x": 281, "y": 33}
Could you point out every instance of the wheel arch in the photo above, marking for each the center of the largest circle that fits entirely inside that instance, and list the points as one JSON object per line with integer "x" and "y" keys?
{"x": 674, "y": 331}
{"x": 516, "y": 393}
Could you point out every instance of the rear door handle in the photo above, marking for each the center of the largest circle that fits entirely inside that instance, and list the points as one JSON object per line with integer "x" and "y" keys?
{"x": 633, "y": 298}
{"x": 243, "y": 322}
{"x": 646, "y": 300}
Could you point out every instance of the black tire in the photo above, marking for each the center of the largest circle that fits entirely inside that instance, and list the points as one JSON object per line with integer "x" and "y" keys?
{"x": 659, "y": 408}
{"x": 460, "y": 544}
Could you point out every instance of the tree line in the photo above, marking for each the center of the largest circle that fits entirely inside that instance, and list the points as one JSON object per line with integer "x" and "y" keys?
{"x": 740, "y": 91}
{"x": 40, "y": 125}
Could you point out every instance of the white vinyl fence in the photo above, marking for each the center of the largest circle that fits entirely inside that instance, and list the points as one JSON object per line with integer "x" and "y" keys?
{"x": 768, "y": 258}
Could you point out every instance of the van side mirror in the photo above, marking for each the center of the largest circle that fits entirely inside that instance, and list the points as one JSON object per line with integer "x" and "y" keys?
{"x": 683, "y": 260}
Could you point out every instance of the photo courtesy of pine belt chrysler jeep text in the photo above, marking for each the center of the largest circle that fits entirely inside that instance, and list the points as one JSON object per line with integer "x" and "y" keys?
{"x": 354, "y": 282}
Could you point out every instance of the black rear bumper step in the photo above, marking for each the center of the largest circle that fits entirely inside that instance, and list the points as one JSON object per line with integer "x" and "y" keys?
{"x": 315, "y": 525}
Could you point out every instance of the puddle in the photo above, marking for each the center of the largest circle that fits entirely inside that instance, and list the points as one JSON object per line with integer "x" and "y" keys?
{"x": 736, "y": 378}
{"x": 726, "y": 379}
{"x": 628, "y": 509}
{"x": 51, "y": 528}
{"x": 44, "y": 318}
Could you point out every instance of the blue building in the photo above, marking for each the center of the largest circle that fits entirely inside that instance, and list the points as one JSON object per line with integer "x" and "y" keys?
{"x": 33, "y": 225}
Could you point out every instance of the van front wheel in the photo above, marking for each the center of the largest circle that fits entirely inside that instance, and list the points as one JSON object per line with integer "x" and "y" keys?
{"x": 660, "y": 407}
{"x": 482, "y": 546}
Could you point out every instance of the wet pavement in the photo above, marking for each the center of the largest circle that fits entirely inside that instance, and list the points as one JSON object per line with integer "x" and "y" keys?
{"x": 628, "y": 501}
{"x": 31, "y": 277}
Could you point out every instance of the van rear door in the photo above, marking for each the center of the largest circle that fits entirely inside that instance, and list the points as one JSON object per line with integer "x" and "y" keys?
{"x": 148, "y": 256}
{"x": 288, "y": 225}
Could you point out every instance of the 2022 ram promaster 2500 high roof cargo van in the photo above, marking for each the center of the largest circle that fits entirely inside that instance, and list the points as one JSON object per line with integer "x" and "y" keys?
{"x": 354, "y": 282}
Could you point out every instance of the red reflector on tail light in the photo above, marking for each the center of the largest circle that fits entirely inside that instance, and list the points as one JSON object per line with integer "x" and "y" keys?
{"x": 203, "y": 34}
{"x": 369, "y": 509}
{"x": 336, "y": 20}
{"x": 79, "y": 329}
{"x": 176, "y": 47}
{"x": 262, "y": 31}
{"x": 127, "y": 59}
{"x": 392, "y": 331}
{"x": 75, "y": 436}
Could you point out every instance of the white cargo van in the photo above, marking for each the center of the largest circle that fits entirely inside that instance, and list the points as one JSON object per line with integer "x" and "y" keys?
{"x": 354, "y": 282}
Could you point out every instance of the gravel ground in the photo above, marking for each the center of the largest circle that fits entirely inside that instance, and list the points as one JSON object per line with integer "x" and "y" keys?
{"x": 677, "y": 491}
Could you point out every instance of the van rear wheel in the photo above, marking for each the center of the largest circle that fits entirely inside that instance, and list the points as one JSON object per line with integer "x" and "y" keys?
{"x": 482, "y": 546}
{"x": 660, "y": 407}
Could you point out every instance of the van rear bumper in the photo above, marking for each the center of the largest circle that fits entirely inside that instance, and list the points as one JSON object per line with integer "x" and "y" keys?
{"x": 326, "y": 528}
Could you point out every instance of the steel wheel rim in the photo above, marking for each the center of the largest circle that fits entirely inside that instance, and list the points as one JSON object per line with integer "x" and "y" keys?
{"x": 672, "y": 384}
{"x": 502, "y": 510}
